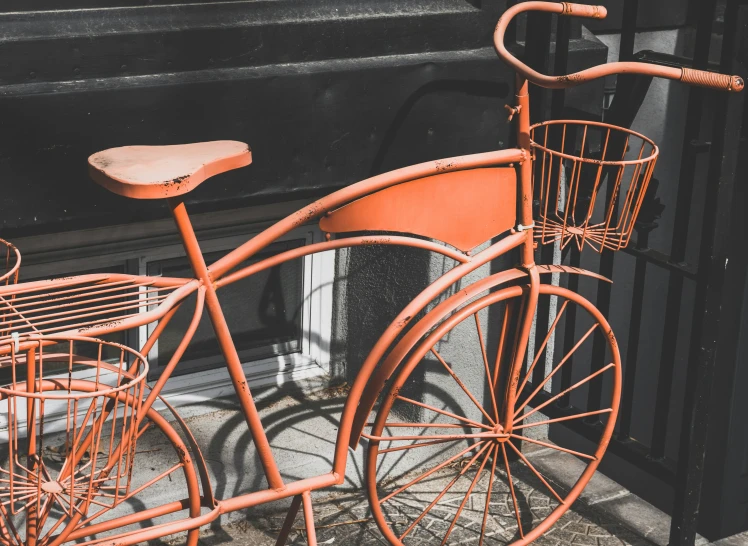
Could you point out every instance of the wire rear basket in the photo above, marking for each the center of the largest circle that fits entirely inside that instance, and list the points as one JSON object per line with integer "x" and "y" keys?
{"x": 70, "y": 406}
{"x": 590, "y": 180}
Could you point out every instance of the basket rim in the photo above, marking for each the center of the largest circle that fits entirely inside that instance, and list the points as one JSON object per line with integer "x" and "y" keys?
{"x": 653, "y": 156}
{"x": 132, "y": 381}
{"x": 10, "y": 246}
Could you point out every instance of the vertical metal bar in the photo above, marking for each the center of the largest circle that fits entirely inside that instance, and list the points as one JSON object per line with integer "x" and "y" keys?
{"x": 31, "y": 461}
{"x": 288, "y": 523}
{"x": 713, "y": 252}
{"x": 627, "y": 111}
{"x": 680, "y": 232}
{"x": 628, "y": 30}
{"x": 569, "y": 329}
{"x": 560, "y": 64}
{"x": 556, "y": 141}
{"x": 724, "y": 471}
{"x": 537, "y": 55}
{"x": 632, "y": 351}
{"x": 311, "y": 533}
{"x": 563, "y": 33}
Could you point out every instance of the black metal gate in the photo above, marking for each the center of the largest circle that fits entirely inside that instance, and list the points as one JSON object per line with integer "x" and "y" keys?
{"x": 695, "y": 446}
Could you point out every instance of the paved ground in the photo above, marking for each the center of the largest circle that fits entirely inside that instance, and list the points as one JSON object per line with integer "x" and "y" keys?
{"x": 605, "y": 515}
{"x": 346, "y": 520}
{"x": 302, "y": 428}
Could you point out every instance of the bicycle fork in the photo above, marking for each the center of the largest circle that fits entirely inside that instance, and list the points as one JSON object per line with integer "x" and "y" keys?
{"x": 523, "y": 336}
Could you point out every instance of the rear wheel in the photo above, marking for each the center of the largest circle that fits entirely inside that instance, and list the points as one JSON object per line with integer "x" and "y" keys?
{"x": 445, "y": 466}
{"x": 51, "y": 504}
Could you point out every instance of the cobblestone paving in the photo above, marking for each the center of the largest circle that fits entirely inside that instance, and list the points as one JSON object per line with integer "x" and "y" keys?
{"x": 346, "y": 520}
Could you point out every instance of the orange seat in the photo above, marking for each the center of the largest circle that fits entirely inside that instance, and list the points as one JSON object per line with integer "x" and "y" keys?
{"x": 159, "y": 172}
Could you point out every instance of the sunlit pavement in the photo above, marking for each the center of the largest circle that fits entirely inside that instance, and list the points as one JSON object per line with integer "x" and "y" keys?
{"x": 302, "y": 429}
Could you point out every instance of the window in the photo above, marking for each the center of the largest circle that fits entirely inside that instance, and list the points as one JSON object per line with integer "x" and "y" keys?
{"x": 280, "y": 318}
{"x": 264, "y": 312}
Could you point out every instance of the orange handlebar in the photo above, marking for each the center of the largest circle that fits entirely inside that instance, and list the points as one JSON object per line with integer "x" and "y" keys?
{"x": 700, "y": 78}
{"x": 584, "y": 10}
{"x": 712, "y": 80}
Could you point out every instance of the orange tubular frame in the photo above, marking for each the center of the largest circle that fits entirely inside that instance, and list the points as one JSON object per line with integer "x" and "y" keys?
{"x": 52, "y": 304}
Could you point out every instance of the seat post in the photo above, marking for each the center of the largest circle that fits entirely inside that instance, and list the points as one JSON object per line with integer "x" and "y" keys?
{"x": 233, "y": 363}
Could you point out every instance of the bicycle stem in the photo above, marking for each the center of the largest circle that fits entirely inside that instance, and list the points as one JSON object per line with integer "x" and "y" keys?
{"x": 522, "y": 96}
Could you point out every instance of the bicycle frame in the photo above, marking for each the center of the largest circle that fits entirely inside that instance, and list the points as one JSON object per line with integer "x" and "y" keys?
{"x": 221, "y": 273}
{"x": 360, "y": 401}
{"x": 208, "y": 279}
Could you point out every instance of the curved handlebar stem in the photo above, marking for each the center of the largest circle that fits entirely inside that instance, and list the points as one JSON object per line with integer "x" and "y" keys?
{"x": 699, "y": 78}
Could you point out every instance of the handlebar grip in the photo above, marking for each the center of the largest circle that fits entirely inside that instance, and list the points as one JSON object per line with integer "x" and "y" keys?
{"x": 583, "y": 10}
{"x": 712, "y": 80}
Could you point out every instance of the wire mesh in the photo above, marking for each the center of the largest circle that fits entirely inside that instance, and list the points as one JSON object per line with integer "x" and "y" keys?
{"x": 590, "y": 179}
{"x": 71, "y": 427}
{"x": 76, "y": 303}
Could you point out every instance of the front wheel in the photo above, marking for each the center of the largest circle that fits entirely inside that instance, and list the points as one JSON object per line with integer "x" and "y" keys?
{"x": 448, "y": 463}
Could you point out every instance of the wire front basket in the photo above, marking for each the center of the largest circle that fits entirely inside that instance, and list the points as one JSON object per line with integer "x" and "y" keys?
{"x": 590, "y": 180}
{"x": 70, "y": 407}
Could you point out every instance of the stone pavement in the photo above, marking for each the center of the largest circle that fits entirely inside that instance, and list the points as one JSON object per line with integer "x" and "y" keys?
{"x": 346, "y": 520}
{"x": 302, "y": 429}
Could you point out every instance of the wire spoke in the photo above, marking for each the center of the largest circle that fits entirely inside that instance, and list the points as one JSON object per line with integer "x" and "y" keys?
{"x": 413, "y": 446}
{"x": 459, "y": 382}
{"x": 420, "y": 425}
{"x": 541, "y": 349}
{"x": 488, "y": 494}
{"x": 429, "y": 507}
{"x": 467, "y": 496}
{"x": 10, "y": 524}
{"x": 502, "y": 339}
{"x": 453, "y": 437}
{"x": 135, "y": 492}
{"x": 57, "y": 525}
{"x": 566, "y": 418}
{"x": 562, "y": 393}
{"x": 444, "y": 491}
{"x": 443, "y": 412}
{"x": 558, "y": 367}
{"x": 511, "y": 490}
{"x": 487, "y": 367}
{"x": 429, "y": 472}
{"x": 534, "y": 471}
{"x": 554, "y": 446}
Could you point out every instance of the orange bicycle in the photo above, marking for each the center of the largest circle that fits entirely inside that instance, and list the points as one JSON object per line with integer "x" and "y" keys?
{"x": 460, "y": 390}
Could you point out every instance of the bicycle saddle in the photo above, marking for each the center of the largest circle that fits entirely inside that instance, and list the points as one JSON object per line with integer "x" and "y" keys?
{"x": 159, "y": 172}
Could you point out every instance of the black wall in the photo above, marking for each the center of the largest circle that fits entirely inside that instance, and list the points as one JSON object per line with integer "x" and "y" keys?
{"x": 325, "y": 93}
